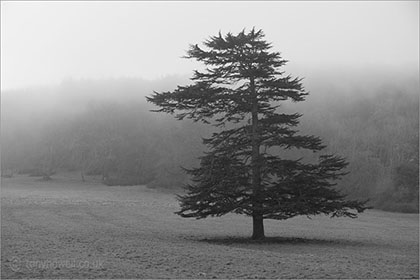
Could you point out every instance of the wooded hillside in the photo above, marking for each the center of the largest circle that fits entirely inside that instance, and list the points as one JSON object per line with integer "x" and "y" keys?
{"x": 106, "y": 128}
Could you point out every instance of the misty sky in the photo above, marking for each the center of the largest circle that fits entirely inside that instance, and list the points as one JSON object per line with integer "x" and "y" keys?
{"x": 43, "y": 43}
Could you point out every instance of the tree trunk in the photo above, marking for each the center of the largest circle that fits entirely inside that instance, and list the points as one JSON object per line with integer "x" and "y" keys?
{"x": 258, "y": 227}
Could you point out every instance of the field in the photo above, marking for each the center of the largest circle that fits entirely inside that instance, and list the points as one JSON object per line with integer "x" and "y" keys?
{"x": 64, "y": 228}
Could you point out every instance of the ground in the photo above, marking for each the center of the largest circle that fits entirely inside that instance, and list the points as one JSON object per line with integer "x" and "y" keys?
{"x": 64, "y": 228}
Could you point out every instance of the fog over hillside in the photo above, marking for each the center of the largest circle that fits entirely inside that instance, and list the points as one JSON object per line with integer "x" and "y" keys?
{"x": 209, "y": 139}
{"x": 92, "y": 125}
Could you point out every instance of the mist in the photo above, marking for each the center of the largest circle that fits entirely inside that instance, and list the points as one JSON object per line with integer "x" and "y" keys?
{"x": 44, "y": 43}
{"x": 371, "y": 113}
{"x": 121, "y": 158}
{"x": 75, "y": 77}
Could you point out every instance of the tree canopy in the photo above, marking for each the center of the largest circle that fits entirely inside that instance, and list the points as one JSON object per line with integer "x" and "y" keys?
{"x": 243, "y": 86}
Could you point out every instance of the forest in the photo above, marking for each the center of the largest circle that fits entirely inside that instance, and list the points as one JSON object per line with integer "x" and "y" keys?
{"x": 106, "y": 128}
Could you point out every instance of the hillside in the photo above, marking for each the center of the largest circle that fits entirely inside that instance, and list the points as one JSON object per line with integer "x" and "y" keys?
{"x": 105, "y": 127}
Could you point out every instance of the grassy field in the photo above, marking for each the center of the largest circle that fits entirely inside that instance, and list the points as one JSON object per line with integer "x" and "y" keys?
{"x": 67, "y": 229}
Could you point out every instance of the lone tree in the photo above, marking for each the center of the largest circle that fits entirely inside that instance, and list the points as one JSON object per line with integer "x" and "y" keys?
{"x": 240, "y": 91}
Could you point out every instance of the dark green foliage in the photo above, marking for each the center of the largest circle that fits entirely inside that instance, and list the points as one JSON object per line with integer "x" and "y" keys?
{"x": 242, "y": 88}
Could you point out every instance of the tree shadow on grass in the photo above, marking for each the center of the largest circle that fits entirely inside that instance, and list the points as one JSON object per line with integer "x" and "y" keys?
{"x": 238, "y": 241}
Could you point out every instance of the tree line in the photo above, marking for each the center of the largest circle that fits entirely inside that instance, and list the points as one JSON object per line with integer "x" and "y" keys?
{"x": 106, "y": 129}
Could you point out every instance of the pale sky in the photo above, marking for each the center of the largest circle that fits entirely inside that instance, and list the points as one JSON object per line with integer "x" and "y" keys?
{"x": 43, "y": 43}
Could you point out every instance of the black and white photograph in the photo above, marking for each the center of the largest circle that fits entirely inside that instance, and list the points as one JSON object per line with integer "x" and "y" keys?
{"x": 209, "y": 139}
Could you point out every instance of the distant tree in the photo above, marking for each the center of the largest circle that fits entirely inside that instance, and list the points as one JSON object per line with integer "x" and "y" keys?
{"x": 83, "y": 150}
{"x": 241, "y": 172}
{"x": 406, "y": 181}
{"x": 52, "y": 152}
